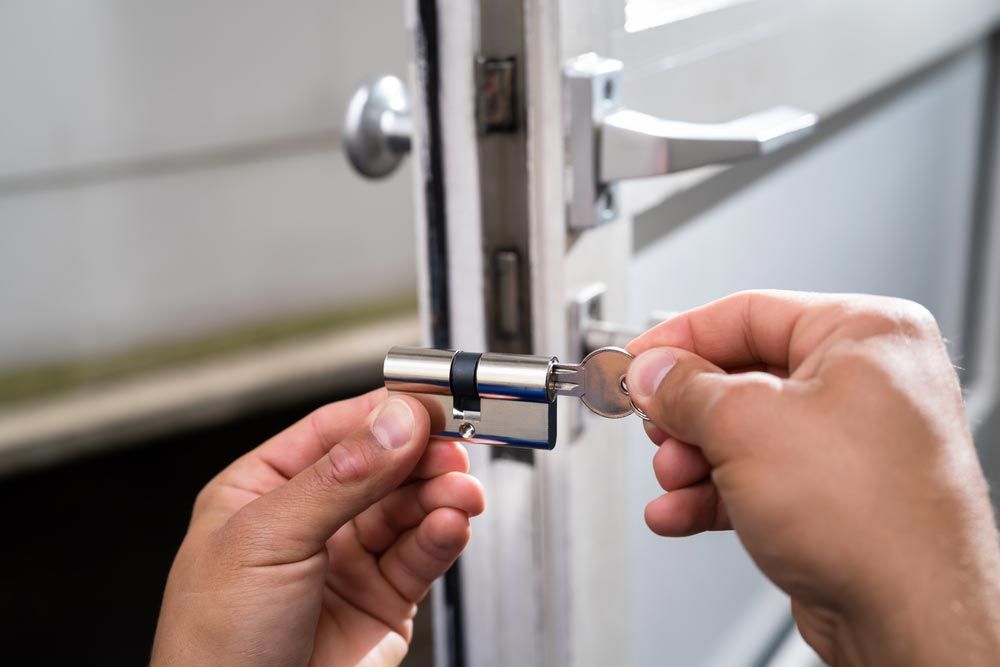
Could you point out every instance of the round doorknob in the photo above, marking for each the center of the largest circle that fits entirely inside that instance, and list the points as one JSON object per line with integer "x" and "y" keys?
{"x": 378, "y": 127}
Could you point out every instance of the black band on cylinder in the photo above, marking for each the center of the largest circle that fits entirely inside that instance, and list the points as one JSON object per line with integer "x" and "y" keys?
{"x": 463, "y": 374}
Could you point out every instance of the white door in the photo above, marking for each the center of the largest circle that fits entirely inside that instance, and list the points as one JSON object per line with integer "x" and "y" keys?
{"x": 529, "y": 201}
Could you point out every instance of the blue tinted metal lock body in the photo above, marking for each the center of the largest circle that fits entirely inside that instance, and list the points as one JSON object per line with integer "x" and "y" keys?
{"x": 494, "y": 399}
{"x": 506, "y": 399}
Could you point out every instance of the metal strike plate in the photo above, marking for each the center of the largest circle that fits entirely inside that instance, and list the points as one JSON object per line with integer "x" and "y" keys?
{"x": 496, "y": 107}
{"x": 592, "y": 87}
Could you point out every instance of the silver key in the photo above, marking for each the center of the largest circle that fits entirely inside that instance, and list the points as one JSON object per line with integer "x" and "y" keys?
{"x": 599, "y": 382}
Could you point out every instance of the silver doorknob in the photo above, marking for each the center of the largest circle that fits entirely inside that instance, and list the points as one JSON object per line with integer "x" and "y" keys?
{"x": 378, "y": 127}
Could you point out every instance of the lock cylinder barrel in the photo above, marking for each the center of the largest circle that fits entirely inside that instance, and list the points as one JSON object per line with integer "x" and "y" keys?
{"x": 511, "y": 377}
{"x": 514, "y": 377}
{"x": 417, "y": 369}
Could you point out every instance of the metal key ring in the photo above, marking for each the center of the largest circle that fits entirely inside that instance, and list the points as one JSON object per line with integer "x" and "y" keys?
{"x": 642, "y": 415}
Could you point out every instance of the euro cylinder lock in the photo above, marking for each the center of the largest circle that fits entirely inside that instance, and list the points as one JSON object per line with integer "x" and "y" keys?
{"x": 506, "y": 399}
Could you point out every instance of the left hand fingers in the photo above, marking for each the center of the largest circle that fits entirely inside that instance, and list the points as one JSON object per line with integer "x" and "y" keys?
{"x": 280, "y": 458}
{"x": 381, "y": 524}
{"x": 424, "y": 553}
{"x": 306, "y": 441}
{"x": 288, "y": 453}
{"x": 299, "y": 446}
{"x": 441, "y": 456}
{"x": 294, "y": 521}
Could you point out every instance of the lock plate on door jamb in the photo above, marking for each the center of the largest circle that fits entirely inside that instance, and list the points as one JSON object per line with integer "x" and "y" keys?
{"x": 593, "y": 89}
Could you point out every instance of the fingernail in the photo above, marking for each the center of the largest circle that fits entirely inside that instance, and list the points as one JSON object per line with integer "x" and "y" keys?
{"x": 394, "y": 424}
{"x": 648, "y": 370}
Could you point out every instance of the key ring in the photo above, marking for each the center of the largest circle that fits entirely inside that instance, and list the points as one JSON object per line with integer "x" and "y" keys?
{"x": 642, "y": 415}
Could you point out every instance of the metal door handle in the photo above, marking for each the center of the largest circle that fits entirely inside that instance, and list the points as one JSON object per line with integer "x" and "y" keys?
{"x": 378, "y": 127}
{"x": 636, "y": 145}
{"x": 607, "y": 143}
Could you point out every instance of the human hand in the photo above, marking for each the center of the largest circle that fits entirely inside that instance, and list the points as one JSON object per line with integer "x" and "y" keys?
{"x": 316, "y": 546}
{"x": 829, "y": 432}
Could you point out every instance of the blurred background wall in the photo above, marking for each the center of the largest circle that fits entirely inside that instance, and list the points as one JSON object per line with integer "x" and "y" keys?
{"x": 171, "y": 170}
{"x": 187, "y": 264}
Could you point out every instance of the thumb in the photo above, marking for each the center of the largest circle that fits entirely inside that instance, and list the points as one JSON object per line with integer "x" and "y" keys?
{"x": 700, "y": 404}
{"x": 294, "y": 521}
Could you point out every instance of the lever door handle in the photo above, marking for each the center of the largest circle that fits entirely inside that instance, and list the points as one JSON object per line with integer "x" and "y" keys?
{"x": 607, "y": 143}
{"x": 637, "y": 145}
{"x": 378, "y": 127}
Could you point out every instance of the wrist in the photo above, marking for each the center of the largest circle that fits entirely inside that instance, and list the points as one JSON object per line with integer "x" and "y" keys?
{"x": 943, "y": 620}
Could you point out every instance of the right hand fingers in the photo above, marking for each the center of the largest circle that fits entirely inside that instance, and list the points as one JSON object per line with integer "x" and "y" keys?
{"x": 692, "y": 504}
{"x": 698, "y": 403}
{"x": 743, "y": 329}
{"x": 677, "y": 465}
{"x": 693, "y": 509}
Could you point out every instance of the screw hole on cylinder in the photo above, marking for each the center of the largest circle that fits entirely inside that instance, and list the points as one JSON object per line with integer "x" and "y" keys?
{"x": 466, "y": 430}
{"x": 609, "y": 89}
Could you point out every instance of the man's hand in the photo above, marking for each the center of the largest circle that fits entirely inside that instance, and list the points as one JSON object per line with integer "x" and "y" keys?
{"x": 829, "y": 432}
{"x": 317, "y": 545}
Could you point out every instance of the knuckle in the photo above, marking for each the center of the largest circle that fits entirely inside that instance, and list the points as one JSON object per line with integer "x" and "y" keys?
{"x": 747, "y": 294}
{"x": 451, "y": 536}
{"x": 204, "y": 499}
{"x": 916, "y": 321}
{"x": 895, "y": 316}
{"x": 211, "y": 493}
{"x": 348, "y": 462}
{"x": 443, "y": 546}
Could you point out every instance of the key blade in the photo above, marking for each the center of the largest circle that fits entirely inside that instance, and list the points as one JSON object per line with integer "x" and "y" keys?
{"x": 567, "y": 380}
